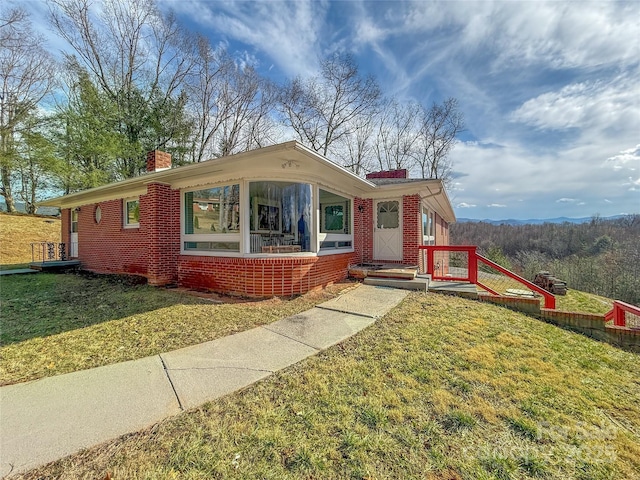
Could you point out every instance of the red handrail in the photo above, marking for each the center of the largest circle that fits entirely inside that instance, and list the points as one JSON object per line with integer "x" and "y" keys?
{"x": 472, "y": 272}
{"x": 618, "y": 313}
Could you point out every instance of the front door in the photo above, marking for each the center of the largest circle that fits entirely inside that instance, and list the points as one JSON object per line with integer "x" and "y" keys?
{"x": 73, "y": 248}
{"x": 387, "y": 227}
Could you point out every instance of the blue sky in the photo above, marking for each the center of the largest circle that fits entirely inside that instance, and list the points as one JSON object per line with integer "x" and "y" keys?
{"x": 550, "y": 91}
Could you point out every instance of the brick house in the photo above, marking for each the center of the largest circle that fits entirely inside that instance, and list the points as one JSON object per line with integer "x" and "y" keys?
{"x": 278, "y": 220}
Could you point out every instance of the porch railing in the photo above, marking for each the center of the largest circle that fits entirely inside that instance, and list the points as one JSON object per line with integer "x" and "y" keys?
{"x": 624, "y": 315}
{"x": 463, "y": 263}
{"x": 48, "y": 252}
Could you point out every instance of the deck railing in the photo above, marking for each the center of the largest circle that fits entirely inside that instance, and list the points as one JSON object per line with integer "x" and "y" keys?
{"x": 48, "y": 252}
{"x": 624, "y": 315}
{"x": 463, "y": 263}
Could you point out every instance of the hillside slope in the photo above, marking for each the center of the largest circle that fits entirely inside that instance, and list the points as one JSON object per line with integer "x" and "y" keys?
{"x": 17, "y": 232}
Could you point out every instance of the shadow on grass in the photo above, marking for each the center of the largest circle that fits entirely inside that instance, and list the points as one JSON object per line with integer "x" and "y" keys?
{"x": 47, "y": 304}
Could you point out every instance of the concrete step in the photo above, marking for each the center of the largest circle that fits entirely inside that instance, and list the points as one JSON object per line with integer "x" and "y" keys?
{"x": 418, "y": 284}
{"x": 397, "y": 273}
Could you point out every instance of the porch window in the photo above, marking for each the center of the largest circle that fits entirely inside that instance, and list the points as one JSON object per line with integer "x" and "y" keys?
{"x": 427, "y": 227}
{"x": 131, "y": 212}
{"x": 280, "y": 217}
{"x": 212, "y": 219}
{"x": 335, "y": 221}
{"x": 388, "y": 214}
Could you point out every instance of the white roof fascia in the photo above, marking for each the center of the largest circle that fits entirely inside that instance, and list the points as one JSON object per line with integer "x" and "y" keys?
{"x": 288, "y": 161}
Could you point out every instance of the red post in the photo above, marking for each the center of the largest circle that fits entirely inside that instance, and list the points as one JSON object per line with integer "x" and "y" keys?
{"x": 619, "y": 319}
{"x": 473, "y": 265}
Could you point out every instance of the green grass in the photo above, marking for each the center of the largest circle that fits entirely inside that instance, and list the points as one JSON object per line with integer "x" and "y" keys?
{"x": 573, "y": 301}
{"x": 53, "y": 324}
{"x": 440, "y": 388}
{"x": 577, "y": 301}
{"x": 14, "y": 266}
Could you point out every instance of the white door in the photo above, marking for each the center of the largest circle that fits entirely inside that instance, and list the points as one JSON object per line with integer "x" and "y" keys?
{"x": 387, "y": 227}
{"x": 73, "y": 248}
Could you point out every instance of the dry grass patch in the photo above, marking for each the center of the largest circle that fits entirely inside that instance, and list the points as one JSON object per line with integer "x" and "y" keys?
{"x": 17, "y": 232}
{"x": 53, "y": 324}
{"x": 403, "y": 399}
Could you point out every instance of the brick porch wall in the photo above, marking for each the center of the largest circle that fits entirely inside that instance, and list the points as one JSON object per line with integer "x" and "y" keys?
{"x": 259, "y": 277}
{"x": 363, "y": 229}
{"x": 411, "y": 229}
{"x": 161, "y": 218}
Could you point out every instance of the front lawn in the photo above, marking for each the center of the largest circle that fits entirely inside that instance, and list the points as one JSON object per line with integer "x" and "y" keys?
{"x": 52, "y": 324}
{"x": 440, "y": 388}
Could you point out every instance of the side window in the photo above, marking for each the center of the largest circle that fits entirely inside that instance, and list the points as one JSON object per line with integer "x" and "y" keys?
{"x": 131, "y": 212}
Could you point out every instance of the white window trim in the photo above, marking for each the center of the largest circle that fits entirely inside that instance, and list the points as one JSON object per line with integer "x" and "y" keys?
{"x": 244, "y": 236}
{"x": 335, "y": 237}
{"x": 125, "y": 213}
{"x": 211, "y": 237}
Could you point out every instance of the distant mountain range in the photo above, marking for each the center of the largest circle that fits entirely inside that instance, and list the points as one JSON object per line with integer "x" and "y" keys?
{"x": 536, "y": 221}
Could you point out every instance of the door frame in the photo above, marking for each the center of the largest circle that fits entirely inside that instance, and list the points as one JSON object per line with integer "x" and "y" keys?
{"x": 73, "y": 236}
{"x": 376, "y": 234}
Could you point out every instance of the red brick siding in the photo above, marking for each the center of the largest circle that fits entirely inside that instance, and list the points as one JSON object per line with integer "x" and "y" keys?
{"x": 441, "y": 231}
{"x": 258, "y": 277}
{"x": 161, "y": 220}
{"x": 363, "y": 229}
{"x": 107, "y": 247}
{"x": 411, "y": 229}
{"x": 400, "y": 173}
{"x": 158, "y": 160}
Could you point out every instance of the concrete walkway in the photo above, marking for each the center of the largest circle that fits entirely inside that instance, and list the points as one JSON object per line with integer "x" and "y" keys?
{"x": 18, "y": 271}
{"x": 47, "y": 419}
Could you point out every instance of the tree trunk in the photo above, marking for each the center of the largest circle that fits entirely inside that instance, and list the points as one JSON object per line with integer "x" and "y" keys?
{"x": 6, "y": 190}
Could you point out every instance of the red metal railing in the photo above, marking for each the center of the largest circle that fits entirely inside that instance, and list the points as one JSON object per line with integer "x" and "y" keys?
{"x": 441, "y": 269}
{"x": 619, "y": 315}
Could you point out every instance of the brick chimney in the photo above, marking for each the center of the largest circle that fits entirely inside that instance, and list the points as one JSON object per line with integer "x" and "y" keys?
{"x": 400, "y": 173}
{"x": 158, "y": 160}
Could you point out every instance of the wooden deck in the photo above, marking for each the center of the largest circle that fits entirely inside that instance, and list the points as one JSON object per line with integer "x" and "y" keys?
{"x": 55, "y": 265}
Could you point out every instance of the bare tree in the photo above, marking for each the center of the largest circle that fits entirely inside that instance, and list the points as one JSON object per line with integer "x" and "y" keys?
{"x": 323, "y": 109}
{"x": 233, "y": 104}
{"x": 438, "y": 129}
{"x": 26, "y": 77}
{"x": 139, "y": 58}
{"x": 248, "y": 100}
{"x": 397, "y": 134}
{"x": 356, "y": 151}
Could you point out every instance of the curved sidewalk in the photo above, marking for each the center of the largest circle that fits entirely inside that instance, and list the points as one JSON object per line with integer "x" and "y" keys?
{"x": 50, "y": 418}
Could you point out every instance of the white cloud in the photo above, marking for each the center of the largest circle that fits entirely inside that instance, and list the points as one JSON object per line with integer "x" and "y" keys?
{"x": 566, "y": 200}
{"x": 592, "y": 104}
{"x": 465, "y": 205}
{"x": 290, "y": 32}
{"x": 496, "y": 205}
{"x": 630, "y": 156}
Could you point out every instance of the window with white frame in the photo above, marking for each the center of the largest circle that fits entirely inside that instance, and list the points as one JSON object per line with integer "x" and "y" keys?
{"x": 131, "y": 212}
{"x": 428, "y": 237}
{"x": 335, "y": 221}
{"x": 280, "y": 217}
{"x": 212, "y": 219}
